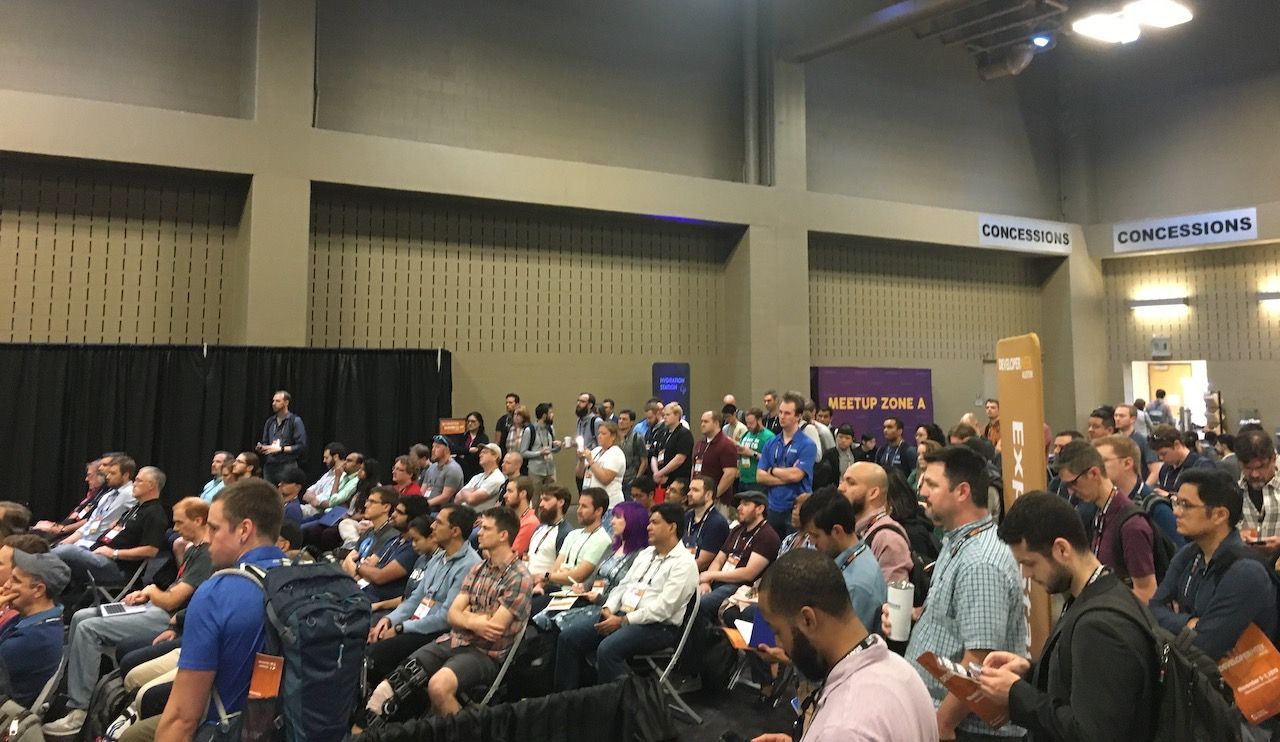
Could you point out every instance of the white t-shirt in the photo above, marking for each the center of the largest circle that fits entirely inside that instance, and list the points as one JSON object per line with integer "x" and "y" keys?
{"x": 490, "y": 483}
{"x": 542, "y": 549}
{"x": 615, "y": 461}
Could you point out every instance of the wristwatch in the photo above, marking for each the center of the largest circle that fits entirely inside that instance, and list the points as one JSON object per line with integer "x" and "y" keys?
{"x": 115, "y": 553}
{"x": 399, "y": 628}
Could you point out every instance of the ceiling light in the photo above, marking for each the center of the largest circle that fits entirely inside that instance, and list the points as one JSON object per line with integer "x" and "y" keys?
{"x": 1113, "y": 28}
{"x": 1171, "y": 301}
{"x": 1157, "y": 13}
{"x": 1041, "y": 40}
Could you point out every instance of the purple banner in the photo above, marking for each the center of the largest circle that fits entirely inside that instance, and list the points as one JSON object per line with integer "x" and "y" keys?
{"x": 864, "y": 396}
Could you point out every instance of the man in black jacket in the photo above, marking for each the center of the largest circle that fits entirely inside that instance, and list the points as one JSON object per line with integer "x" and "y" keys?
{"x": 1096, "y": 678}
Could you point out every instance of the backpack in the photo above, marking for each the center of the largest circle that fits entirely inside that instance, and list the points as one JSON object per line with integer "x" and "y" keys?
{"x": 1162, "y": 549}
{"x": 920, "y": 567}
{"x": 108, "y": 701}
{"x": 19, "y": 724}
{"x": 318, "y": 622}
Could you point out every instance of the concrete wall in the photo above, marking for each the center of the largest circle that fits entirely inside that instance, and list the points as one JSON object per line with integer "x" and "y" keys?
{"x": 656, "y": 86}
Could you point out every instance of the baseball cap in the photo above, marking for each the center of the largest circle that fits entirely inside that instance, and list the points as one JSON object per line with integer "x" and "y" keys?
{"x": 493, "y": 448}
{"x": 845, "y": 429}
{"x": 754, "y": 496}
{"x": 47, "y": 568}
{"x": 441, "y": 440}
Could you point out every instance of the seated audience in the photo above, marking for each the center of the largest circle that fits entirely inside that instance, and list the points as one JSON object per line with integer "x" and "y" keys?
{"x": 443, "y": 477}
{"x": 553, "y": 529}
{"x": 1096, "y": 678}
{"x": 31, "y": 646}
{"x": 645, "y": 491}
{"x": 114, "y": 501}
{"x": 519, "y": 495}
{"x": 92, "y": 634}
{"x": 31, "y": 544}
{"x": 290, "y": 485}
{"x": 215, "y": 483}
{"x": 583, "y": 549}
{"x": 315, "y": 499}
{"x": 95, "y": 485}
{"x": 137, "y": 536}
{"x": 402, "y": 478}
{"x": 423, "y": 615}
{"x": 485, "y": 617}
{"x": 246, "y": 464}
{"x": 628, "y": 524}
{"x": 1213, "y": 585}
{"x": 382, "y": 559}
{"x": 481, "y": 492}
{"x": 750, "y": 547}
{"x": 704, "y": 530}
{"x": 642, "y": 613}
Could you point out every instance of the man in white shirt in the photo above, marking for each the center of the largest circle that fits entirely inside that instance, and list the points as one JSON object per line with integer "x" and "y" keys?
{"x": 481, "y": 492}
{"x": 583, "y": 549}
{"x": 552, "y": 529}
{"x": 603, "y": 465}
{"x": 643, "y": 613}
{"x": 113, "y": 503}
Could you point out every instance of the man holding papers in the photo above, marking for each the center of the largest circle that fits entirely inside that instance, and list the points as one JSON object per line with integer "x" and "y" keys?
{"x": 642, "y": 614}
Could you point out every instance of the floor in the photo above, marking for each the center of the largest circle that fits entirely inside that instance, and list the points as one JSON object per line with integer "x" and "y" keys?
{"x": 735, "y": 711}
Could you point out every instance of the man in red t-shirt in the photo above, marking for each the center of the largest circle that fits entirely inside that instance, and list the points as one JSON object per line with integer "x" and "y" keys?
{"x": 715, "y": 456}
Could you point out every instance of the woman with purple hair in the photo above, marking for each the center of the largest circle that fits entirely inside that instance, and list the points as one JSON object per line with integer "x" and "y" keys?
{"x": 629, "y": 522}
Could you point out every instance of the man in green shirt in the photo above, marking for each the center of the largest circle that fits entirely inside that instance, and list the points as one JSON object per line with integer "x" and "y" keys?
{"x": 749, "y": 448}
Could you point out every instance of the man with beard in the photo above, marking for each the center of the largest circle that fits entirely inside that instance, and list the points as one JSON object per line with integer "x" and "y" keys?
{"x": 519, "y": 497}
{"x": 865, "y": 691}
{"x": 747, "y": 551}
{"x": 541, "y": 457}
{"x": 549, "y": 536}
{"x": 588, "y": 426}
{"x": 382, "y": 569}
{"x": 866, "y": 487}
{"x": 1260, "y": 483}
{"x": 1096, "y": 678}
{"x": 705, "y": 529}
{"x": 828, "y": 519}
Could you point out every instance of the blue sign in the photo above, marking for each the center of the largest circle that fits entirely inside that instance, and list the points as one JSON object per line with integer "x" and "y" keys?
{"x": 671, "y": 383}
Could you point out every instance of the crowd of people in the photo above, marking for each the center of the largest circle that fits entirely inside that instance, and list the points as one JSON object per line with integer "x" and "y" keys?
{"x": 767, "y": 515}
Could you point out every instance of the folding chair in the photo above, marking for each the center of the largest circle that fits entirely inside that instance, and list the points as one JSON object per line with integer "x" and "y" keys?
{"x": 506, "y": 664}
{"x": 671, "y": 657}
{"x": 17, "y": 720}
{"x": 115, "y": 593}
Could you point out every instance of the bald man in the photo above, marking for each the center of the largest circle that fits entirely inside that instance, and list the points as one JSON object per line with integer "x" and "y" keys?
{"x": 865, "y": 485}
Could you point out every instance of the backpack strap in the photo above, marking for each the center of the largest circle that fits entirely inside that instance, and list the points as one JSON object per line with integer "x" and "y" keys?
{"x": 1118, "y": 541}
{"x": 257, "y": 575}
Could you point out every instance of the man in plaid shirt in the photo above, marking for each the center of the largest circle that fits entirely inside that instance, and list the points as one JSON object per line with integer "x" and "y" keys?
{"x": 488, "y": 612}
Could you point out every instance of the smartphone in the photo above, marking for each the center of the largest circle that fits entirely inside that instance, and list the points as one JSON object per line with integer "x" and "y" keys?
{"x": 733, "y": 737}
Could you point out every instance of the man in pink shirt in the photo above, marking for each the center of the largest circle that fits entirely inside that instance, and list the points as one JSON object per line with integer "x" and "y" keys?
{"x": 867, "y": 694}
{"x": 866, "y": 486}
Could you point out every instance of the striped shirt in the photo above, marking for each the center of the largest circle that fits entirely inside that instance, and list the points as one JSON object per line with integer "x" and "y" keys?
{"x": 489, "y": 587}
{"x": 975, "y": 603}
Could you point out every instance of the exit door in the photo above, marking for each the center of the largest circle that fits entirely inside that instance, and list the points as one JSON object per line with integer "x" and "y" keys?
{"x": 1173, "y": 378}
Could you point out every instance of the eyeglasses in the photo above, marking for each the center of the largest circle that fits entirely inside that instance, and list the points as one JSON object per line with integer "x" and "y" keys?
{"x": 1177, "y": 503}
{"x": 1071, "y": 484}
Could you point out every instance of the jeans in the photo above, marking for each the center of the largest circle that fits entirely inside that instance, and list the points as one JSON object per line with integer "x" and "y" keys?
{"x": 709, "y": 604}
{"x": 91, "y": 634}
{"x": 83, "y": 563}
{"x": 580, "y": 639}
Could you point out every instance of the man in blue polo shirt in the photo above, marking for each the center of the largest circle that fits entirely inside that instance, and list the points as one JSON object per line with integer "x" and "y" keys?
{"x": 31, "y": 647}
{"x": 786, "y": 464}
{"x": 225, "y": 624}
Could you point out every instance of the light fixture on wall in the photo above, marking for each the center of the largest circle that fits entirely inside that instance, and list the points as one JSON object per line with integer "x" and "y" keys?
{"x": 1124, "y": 25}
{"x": 1172, "y": 301}
{"x": 1269, "y": 296}
{"x": 1162, "y": 307}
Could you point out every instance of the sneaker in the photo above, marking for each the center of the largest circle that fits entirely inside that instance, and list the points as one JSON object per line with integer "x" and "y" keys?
{"x": 67, "y": 725}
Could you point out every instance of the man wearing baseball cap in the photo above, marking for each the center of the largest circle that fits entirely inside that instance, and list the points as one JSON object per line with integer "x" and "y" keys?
{"x": 443, "y": 477}
{"x": 481, "y": 492}
{"x": 31, "y": 647}
{"x": 751, "y": 546}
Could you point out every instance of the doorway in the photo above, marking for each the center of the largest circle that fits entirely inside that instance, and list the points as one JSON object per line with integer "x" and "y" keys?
{"x": 1185, "y": 383}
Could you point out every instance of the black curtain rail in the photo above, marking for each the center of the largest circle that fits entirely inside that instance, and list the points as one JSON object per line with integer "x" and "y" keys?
{"x": 172, "y": 406}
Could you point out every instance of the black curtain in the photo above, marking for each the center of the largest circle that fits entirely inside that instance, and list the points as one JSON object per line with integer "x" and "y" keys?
{"x": 172, "y": 406}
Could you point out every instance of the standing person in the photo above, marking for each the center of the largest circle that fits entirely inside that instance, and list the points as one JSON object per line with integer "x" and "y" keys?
{"x": 991, "y": 431}
{"x": 519, "y": 437}
{"x": 732, "y": 419}
{"x": 1158, "y": 412}
{"x": 226, "y": 618}
{"x": 975, "y": 597}
{"x": 715, "y": 456}
{"x": 750, "y": 445}
{"x": 1227, "y": 459}
{"x": 1260, "y": 482}
{"x": 603, "y": 465}
{"x": 866, "y": 487}
{"x": 473, "y": 440}
{"x": 786, "y": 464}
{"x": 897, "y": 453}
{"x": 502, "y": 428}
{"x": 1121, "y": 457}
{"x": 1175, "y": 458}
{"x": 541, "y": 457}
{"x": 633, "y": 448}
{"x": 1126, "y": 417}
{"x": 284, "y": 438}
{"x": 674, "y": 460}
{"x": 588, "y": 426}
{"x": 1096, "y": 677}
{"x": 1123, "y": 542}
{"x": 865, "y": 692}
{"x": 771, "y": 419}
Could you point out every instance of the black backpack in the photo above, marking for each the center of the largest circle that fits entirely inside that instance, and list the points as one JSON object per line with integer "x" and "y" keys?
{"x": 1162, "y": 549}
{"x": 109, "y": 699}
{"x": 318, "y": 621}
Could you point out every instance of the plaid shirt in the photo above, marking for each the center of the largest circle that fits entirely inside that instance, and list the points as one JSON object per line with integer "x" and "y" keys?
{"x": 1268, "y": 521}
{"x": 975, "y": 602}
{"x": 488, "y": 588}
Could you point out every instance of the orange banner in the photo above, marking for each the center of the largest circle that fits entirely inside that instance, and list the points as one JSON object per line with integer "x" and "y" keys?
{"x": 1020, "y": 386}
{"x": 452, "y": 426}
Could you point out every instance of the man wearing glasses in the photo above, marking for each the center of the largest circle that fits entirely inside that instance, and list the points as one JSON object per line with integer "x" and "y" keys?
{"x": 1213, "y": 586}
{"x": 1122, "y": 538}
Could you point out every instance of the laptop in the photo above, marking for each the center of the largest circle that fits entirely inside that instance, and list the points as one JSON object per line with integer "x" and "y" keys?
{"x": 120, "y": 609}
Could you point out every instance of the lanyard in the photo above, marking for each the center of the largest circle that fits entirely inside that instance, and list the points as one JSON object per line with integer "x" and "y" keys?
{"x": 1100, "y": 521}
{"x": 651, "y": 571}
{"x": 797, "y": 729}
{"x": 982, "y": 526}
{"x": 546, "y": 531}
{"x": 693, "y": 535}
{"x": 573, "y": 558}
{"x": 849, "y": 559}
{"x": 738, "y": 540}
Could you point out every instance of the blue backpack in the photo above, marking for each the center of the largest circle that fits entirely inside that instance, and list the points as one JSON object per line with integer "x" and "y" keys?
{"x": 318, "y": 622}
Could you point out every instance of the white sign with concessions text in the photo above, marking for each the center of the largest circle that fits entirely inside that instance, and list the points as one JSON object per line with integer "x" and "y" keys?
{"x": 1189, "y": 230}
{"x": 1017, "y": 233}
